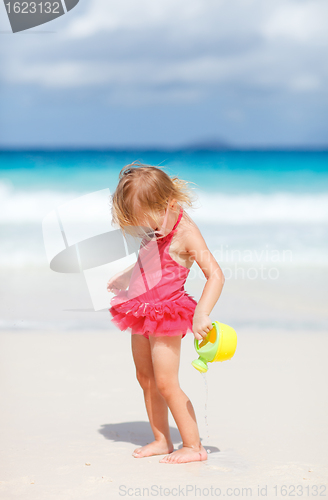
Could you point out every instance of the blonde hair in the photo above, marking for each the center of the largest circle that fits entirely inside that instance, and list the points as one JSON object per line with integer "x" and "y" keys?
{"x": 146, "y": 189}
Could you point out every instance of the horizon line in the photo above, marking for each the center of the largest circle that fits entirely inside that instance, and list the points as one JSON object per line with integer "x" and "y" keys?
{"x": 167, "y": 149}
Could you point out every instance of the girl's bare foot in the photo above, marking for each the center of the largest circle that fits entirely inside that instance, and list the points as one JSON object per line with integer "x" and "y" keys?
{"x": 153, "y": 448}
{"x": 186, "y": 454}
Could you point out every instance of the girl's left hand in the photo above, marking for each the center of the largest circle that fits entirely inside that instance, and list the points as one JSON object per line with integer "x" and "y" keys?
{"x": 201, "y": 325}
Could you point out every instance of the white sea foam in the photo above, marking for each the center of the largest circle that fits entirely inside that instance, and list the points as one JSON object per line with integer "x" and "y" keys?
{"x": 254, "y": 208}
{"x": 19, "y": 206}
{"x": 254, "y": 223}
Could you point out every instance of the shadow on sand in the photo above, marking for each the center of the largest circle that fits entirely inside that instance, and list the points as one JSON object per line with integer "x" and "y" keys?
{"x": 140, "y": 433}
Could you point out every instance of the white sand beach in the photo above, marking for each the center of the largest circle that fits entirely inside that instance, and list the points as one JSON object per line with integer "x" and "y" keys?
{"x": 73, "y": 412}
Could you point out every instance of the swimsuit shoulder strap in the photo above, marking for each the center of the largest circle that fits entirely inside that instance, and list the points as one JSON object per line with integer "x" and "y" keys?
{"x": 179, "y": 218}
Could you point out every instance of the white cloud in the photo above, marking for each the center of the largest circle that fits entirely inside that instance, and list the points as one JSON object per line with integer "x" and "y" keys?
{"x": 198, "y": 71}
{"x": 300, "y": 21}
{"x": 178, "y": 49}
{"x": 110, "y": 15}
{"x": 303, "y": 22}
{"x": 303, "y": 83}
{"x": 64, "y": 74}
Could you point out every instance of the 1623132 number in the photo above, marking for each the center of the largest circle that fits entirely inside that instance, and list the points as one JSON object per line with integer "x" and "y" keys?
{"x": 33, "y": 7}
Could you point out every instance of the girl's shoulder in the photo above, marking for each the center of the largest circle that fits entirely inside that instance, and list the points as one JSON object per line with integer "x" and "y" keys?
{"x": 187, "y": 227}
{"x": 186, "y": 234}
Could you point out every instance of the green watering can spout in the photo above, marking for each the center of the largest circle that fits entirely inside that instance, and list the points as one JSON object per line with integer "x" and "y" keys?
{"x": 200, "y": 364}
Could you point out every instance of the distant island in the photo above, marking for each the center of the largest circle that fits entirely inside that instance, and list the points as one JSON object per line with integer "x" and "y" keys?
{"x": 214, "y": 144}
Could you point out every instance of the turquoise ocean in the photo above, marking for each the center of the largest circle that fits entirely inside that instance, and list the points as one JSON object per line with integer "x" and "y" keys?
{"x": 262, "y": 211}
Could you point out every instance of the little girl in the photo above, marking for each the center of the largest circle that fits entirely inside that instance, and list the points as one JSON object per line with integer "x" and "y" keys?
{"x": 156, "y": 308}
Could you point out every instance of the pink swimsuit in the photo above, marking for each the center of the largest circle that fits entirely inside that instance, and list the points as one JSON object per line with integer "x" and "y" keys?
{"x": 156, "y": 302}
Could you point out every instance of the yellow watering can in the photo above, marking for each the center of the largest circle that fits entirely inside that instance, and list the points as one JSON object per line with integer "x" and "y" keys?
{"x": 219, "y": 345}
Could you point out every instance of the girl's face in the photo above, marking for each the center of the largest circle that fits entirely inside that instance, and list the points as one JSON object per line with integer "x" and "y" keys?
{"x": 150, "y": 228}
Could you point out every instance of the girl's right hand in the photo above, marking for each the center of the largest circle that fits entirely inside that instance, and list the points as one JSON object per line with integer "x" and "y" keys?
{"x": 119, "y": 281}
{"x": 201, "y": 325}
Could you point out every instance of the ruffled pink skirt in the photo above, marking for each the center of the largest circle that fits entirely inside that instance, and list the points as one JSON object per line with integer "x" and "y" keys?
{"x": 165, "y": 318}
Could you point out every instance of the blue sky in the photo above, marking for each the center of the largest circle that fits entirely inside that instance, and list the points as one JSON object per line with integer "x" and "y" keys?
{"x": 167, "y": 74}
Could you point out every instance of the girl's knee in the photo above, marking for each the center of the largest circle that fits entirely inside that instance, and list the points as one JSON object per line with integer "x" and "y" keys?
{"x": 166, "y": 387}
{"x": 145, "y": 378}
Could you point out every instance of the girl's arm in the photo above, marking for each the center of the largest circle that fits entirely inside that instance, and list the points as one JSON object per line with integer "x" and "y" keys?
{"x": 121, "y": 280}
{"x": 198, "y": 250}
{"x": 128, "y": 270}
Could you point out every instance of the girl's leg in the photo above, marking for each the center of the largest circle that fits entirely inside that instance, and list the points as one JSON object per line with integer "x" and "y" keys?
{"x": 165, "y": 352}
{"x": 155, "y": 403}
